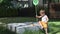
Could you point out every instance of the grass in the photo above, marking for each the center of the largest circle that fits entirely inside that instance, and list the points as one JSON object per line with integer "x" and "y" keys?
{"x": 33, "y": 32}
{"x": 22, "y": 19}
{"x": 3, "y": 30}
{"x": 54, "y": 28}
{"x": 17, "y": 19}
{"x": 54, "y": 25}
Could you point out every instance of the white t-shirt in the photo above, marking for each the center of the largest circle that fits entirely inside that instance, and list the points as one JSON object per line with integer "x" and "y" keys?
{"x": 44, "y": 18}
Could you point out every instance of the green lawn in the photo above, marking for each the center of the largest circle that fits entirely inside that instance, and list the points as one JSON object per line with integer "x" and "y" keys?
{"x": 22, "y": 19}
{"x": 54, "y": 25}
{"x": 17, "y": 19}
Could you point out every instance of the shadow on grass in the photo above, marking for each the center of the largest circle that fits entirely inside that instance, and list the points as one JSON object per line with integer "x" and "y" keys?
{"x": 5, "y": 31}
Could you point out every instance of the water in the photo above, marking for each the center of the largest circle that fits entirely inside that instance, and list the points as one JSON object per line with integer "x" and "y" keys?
{"x": 20, "y": 28}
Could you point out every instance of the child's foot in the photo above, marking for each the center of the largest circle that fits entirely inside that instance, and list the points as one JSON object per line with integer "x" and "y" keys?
{"x": 41, "y": 27}
{"x": 32, "y": 24}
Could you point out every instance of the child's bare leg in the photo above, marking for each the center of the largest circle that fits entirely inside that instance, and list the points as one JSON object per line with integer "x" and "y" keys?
{"x": 40, "y": 25}
{"x": 46, "y": 30}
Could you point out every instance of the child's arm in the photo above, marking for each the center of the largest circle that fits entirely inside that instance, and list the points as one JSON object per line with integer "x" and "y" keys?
{"x": 38, "y": 16}
{"x": 47, "y": 19}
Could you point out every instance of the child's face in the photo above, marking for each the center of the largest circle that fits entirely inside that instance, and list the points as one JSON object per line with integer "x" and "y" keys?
{"x": 42, "y": 13}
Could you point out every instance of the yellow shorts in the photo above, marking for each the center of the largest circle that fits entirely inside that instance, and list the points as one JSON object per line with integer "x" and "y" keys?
{"x": 43, "y": 24}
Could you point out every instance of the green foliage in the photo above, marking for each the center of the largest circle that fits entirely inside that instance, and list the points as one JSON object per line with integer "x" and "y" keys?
{"x": 8, "y": 12}
{"x": 1, "y": 1}
{"x": 5, "y": 3}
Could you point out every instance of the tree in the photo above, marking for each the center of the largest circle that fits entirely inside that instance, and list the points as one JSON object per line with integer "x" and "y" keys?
{"x": 5, "y": 3}
{"x": 1, "y": 1}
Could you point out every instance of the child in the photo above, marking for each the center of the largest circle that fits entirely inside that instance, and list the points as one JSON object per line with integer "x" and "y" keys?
{"x": 44, "y": 20}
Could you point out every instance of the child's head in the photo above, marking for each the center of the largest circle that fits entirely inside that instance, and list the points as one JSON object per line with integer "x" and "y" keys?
{"x": 42, "y": 12}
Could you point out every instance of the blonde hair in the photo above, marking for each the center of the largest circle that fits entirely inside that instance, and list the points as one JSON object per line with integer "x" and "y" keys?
{"x": 42, "y": 11}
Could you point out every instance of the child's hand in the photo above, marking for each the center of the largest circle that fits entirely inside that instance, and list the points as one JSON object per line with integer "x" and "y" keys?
{"x": 37, "y": 16}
